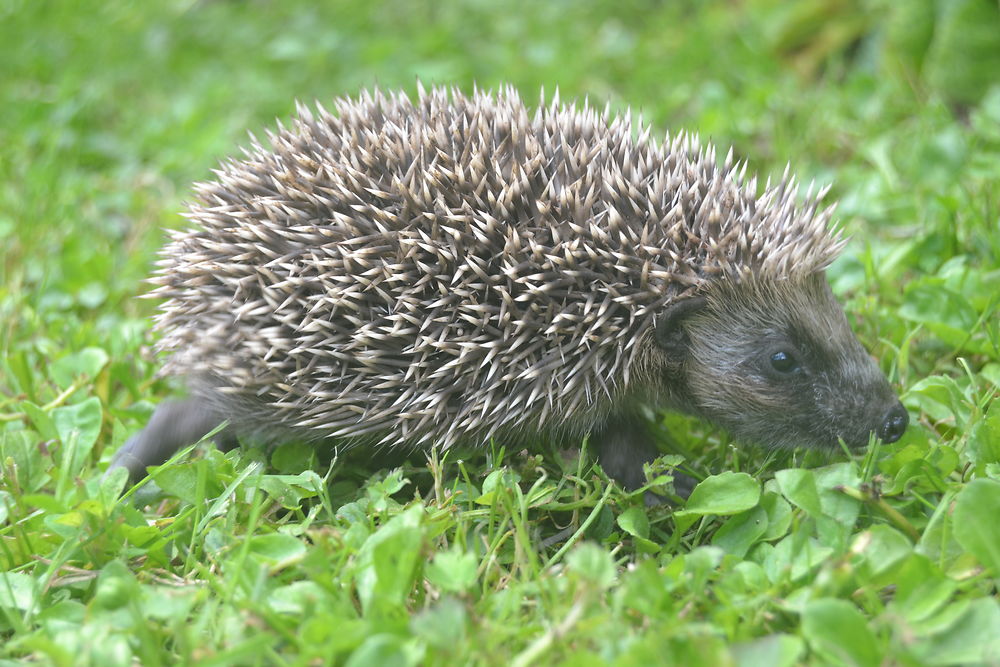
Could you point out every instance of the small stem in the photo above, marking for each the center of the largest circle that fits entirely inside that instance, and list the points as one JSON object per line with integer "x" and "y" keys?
{"x": 890, "y": 512}
{"x": 54, "y": 403}
{"x": 583, "y": 527}
{"x": 530, "y": 655}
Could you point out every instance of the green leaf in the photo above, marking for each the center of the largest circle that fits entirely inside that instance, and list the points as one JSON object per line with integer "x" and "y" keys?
{"x": 45, "y": 502}
{"x": 384, "y": 650}
{"x": 634, "y": 522}
{"x": 294, "y": 457}
{"x": 78, "y": 426}
{"x": 742, "y": 531}
{"x": 701, "y": 562}
{"x": 972, "y": 637}
{"x": 17, "y": 591}
{"x": 922, "y": 589}
{"x": 299, "y": 597}
{"x": 387, "y": 563}
{"x": 68, "y": 613}
{"x": 443, "y": 625}
{"x": 835, "y": 504}
{"x": 974, "y": 521}
{"x": 593, "y": 564}
{"x": 40, "y": 420}
{"x": 770, "y": 651}
{"x": 276, "y": 549}
{"x": 838, "y": 632}
{"x": 938, "y": 541}
{"x": 779, "y": 515}
{"x": 180, "y": 481}
{"x": 792, "y": 558}
{"x": 21, "y": 369}
{"x": 116, "y": 587}
{"x": 88, "y": 362}
{"x": 724, "y": 494}
{"x": 504, "y": 478}
{"x": 940, "y": 309}
{"x": 799, "y": 487}
{"x": 289, "y": 490}
{"x": 882, "y": 548}
{"x": 166, "y": 604}
{"x": 453, "y": 571}
{"x": 941, "y": 397}
{"x": 984, "y": 439}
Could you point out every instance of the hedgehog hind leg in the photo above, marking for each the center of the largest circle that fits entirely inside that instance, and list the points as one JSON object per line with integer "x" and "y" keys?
{"x": 623, "y": 446}
{"x": 173, "y": 426}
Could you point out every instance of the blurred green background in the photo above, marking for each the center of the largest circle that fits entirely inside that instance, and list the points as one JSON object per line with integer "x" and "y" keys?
{"x": 110, "y": 110}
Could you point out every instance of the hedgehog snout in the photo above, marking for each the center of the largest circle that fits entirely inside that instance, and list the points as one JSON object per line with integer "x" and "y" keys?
{"x": 857, "y": 413}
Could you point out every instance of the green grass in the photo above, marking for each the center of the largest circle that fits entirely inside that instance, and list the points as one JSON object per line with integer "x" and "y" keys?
{"x": 110, "y": 110}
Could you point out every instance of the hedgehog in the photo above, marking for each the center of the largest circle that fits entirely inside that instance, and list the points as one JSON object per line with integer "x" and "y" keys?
{"x": 414, "y": 274}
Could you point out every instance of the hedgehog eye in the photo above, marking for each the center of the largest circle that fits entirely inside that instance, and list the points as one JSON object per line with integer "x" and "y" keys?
{"x": 784, "y": 362}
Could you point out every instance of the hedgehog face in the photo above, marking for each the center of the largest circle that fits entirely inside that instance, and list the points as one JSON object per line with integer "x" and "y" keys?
{"x": 777, "y": 364}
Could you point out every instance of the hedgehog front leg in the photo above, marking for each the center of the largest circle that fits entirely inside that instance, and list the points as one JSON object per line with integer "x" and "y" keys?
{"x": 173, "y": 426}
{"x": 623, "y": 445}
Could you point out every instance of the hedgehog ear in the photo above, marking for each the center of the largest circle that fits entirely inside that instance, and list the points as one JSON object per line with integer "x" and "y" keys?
{"x": 669, "y": 334}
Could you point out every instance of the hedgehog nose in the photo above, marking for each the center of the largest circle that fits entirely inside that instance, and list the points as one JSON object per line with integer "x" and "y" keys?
{"x": 895, "y": 424}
